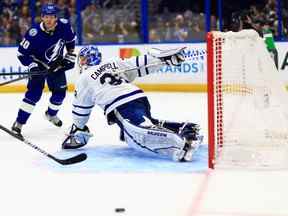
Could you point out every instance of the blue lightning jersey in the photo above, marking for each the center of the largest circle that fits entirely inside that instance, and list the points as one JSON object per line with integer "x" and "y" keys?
{"x": 39, "y": 45}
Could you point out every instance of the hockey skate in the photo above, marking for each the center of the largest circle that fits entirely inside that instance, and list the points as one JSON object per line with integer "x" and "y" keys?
{"x": 191, "y": 147}
{"x": 16, "y": 128}
{"x": 190, "y": 133}
{"x": 53, "y": 119}
{"x": 76, "y": 138}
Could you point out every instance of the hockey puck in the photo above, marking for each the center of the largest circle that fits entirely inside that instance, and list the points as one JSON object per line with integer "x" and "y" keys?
{"x": 119, "y": 210}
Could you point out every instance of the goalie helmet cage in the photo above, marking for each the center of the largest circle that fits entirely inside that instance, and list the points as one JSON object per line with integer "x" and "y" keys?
{"x": 247, "y": 103}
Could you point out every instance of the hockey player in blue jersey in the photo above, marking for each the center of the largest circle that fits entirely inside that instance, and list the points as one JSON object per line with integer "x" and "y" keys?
{"x": 109, "y": 85}
{"x": 42, "y": 50}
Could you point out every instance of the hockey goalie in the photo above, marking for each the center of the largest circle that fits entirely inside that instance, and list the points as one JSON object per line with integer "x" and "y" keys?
{"x": 109, "y": 85}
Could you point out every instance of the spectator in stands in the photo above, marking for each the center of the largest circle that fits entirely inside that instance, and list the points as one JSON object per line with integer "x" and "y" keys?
{"x": 7, "y": 39}
{"x": 168, "y": 31}
{"x": 15, "y": 31}
{"x": 121, "y": 32}
{"x": 63, "y": 6}
{"x": 24, "y": 20}
{"x": 91, "y": 23}
{"x": 154, "y": 36}
{"x": 133, "y": 31}
{"x": 73, "y": 15}
{"x": 180, "y": 32}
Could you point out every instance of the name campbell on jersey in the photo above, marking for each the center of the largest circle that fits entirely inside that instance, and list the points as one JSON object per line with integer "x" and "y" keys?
{"x": 108, "y": 85}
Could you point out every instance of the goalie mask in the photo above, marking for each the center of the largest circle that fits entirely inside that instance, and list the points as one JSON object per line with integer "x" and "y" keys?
{"x": 89, "y": 56}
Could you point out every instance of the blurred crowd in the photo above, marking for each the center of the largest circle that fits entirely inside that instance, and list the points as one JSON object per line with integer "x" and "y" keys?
{"x": 260, "y": 17}
{"x": 184, "y": 26}
{"x": 16, "y": 17}
{"x": 120, "y": 20}
{"x": 117, "y": 22}
{"x": 14, "y": 21}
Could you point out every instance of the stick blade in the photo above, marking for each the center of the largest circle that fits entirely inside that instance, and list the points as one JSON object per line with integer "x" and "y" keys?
{"x": 76, "y": 159}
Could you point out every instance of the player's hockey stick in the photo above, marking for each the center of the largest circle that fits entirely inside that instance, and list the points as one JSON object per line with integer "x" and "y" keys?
{"x": 76, "y": 159}
{"x": 14, "y": 80}
{"x": 25, "y": 73}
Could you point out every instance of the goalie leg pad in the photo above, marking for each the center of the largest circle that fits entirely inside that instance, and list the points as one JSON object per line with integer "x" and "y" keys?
{"x": 152, "y": 140}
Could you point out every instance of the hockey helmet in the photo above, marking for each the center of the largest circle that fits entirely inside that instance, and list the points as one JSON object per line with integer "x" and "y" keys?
{"x": 89, "y": 55}
{"x": 49, "y": 9}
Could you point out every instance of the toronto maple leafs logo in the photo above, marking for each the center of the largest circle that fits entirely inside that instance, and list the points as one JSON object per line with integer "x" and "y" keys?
{"x": 53, "y": 52}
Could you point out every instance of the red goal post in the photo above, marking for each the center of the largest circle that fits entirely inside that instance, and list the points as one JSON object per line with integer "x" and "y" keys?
{"x": 247, "y": 103}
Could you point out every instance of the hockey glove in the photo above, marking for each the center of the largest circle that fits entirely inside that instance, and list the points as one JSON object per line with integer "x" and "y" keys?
{"x": 34, "y": 70}
{"x": 55, "y": 65}
{"x": 77, "y": 137}
{"x": 69, "y": 61}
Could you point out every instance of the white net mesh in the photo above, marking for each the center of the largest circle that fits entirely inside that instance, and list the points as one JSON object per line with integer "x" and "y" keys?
{"x": 251, "y": 103}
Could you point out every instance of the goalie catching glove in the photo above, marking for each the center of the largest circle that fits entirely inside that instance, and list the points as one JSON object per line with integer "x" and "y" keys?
{"x": 171, "y": 57}
{"x": 77, "y": 137}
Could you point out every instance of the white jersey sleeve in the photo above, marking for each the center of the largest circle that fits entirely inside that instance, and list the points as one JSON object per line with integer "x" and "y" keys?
{"x": 106, "y": 86}
{"x": 138, "y": 66}
{"x": 82, "y": 103}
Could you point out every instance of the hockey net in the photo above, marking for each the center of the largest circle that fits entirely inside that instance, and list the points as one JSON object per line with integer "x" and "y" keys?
{"x": 247, "y": 103}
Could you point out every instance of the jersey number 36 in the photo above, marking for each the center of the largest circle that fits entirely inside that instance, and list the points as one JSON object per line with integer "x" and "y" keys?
{"x": 110, "y": 79}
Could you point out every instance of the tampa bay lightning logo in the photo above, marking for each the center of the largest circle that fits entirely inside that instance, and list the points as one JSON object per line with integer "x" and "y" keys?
{"x": 53, "y": 52}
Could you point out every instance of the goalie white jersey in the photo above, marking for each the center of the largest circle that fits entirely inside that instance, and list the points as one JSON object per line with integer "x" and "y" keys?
{"x": 109, "y": 85}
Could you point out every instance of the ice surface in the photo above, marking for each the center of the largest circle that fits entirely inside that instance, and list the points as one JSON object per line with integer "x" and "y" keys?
{"x": 115, "y": 176}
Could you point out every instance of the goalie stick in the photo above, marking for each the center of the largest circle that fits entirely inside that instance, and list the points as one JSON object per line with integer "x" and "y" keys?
{"x": 181, "y": 49}
{"x": 75, "y": 159}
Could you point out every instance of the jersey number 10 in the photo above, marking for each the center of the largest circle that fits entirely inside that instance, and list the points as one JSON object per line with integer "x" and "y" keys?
{"x": 25, "y": 43}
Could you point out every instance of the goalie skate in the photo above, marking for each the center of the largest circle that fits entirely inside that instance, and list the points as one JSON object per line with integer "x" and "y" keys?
{"x": 192, "y": 147}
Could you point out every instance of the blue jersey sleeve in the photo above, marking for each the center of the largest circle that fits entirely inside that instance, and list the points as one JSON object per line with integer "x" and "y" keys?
{"x": 70, "y": 36}
{"x": 25, "y": 47}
